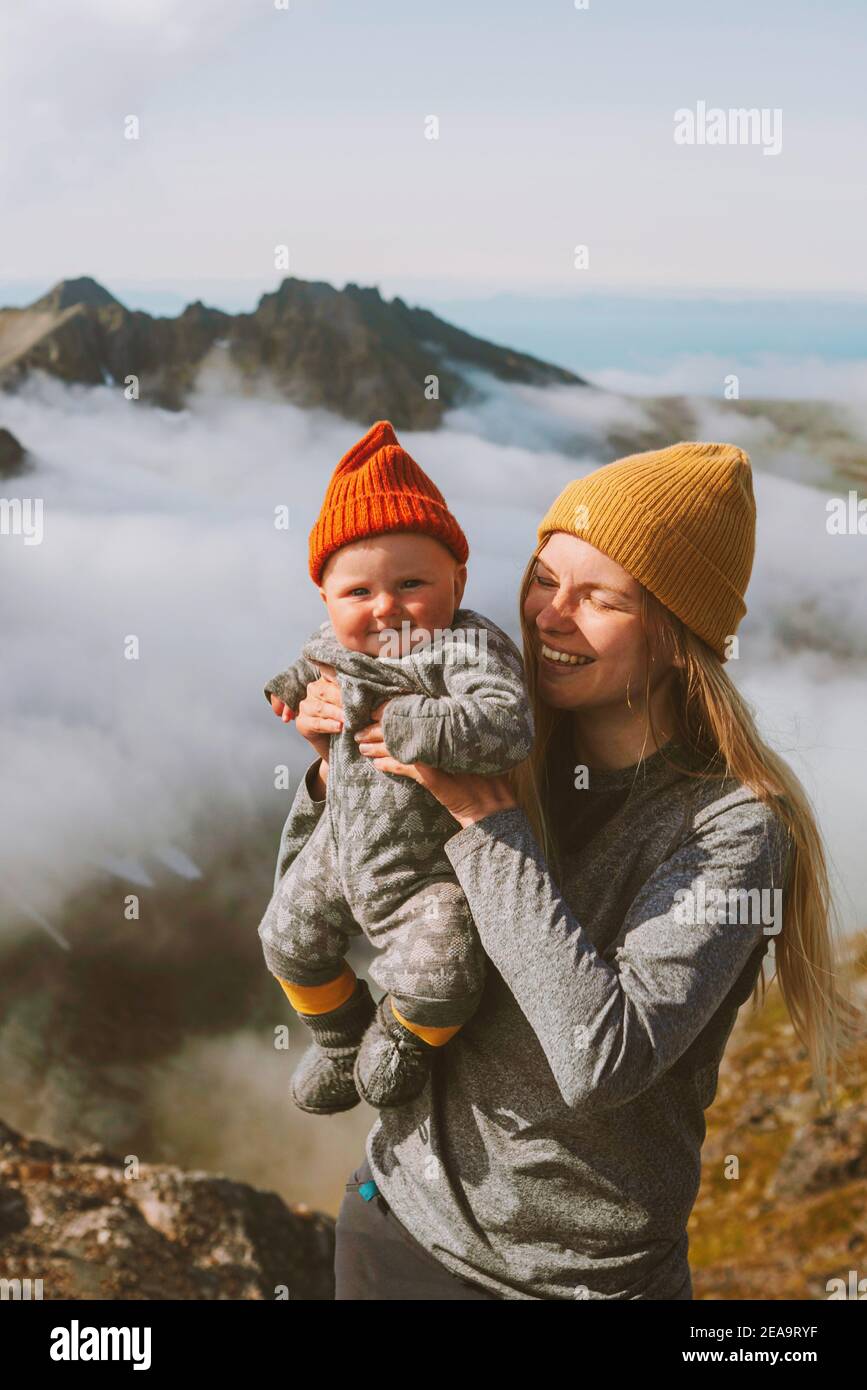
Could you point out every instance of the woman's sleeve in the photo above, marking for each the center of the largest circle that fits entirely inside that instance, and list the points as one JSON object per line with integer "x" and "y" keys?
{"x": 300, "y": 823}
{"x": 610, "y": 1030}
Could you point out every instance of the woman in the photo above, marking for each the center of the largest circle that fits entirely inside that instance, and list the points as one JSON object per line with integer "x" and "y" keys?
{"x": 626, "y": 883}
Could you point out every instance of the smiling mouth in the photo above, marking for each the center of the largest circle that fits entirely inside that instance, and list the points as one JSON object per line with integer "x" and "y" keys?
{"x": 555, "y": 658}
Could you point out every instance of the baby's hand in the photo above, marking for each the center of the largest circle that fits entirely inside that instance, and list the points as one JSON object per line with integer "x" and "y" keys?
{"x": 281, "y": 709}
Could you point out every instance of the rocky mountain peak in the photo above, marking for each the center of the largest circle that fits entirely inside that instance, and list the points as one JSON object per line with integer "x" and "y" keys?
{"x": 348, "y": 351}
{"x": 83, "y": 290}
{"x": 80, "y": 1224}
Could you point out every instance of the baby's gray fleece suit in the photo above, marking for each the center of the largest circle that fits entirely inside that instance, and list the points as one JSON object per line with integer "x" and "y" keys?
{"x": 375, "y": 862}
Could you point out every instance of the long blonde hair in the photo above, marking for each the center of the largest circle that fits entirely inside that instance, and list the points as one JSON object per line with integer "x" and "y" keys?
{"x": 714, "y": 722}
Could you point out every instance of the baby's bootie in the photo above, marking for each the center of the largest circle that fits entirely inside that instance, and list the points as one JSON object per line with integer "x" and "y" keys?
{"x": 393, "y": 1063}
{"x": 323, "y": 1082}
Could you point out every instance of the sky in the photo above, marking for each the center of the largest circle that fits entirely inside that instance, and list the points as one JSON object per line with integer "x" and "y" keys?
{"x": 305, "y": 127}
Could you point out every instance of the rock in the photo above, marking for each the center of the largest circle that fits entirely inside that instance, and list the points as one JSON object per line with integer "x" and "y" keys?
{"x": 96, "y": 1153}
{"x": 794, "y": 1214}
{"x": 12, "y": 455}
{"x": 13, "y": 1211}
{"x": 829, "y": 1152}
{"x": 87, "y": 1229}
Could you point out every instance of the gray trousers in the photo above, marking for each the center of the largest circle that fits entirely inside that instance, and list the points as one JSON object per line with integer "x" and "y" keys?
{"x": 428, "y": 954}
{"x": 377, "y": 1259}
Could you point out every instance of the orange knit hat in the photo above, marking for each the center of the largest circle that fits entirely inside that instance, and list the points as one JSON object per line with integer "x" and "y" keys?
{"x": 375, "y": 488}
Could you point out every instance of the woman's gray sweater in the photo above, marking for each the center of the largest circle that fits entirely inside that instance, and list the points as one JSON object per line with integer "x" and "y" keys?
{"x": 555, "y": 1153}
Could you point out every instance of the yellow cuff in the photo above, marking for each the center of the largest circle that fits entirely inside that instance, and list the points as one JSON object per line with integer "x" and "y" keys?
{"x": 321, "y": 999}
{"x": 435, "y": 1036}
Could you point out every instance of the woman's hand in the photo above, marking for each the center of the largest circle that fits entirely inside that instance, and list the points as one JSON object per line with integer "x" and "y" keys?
{"x": 320, "y": 713}
{"x": 468, "y": 796}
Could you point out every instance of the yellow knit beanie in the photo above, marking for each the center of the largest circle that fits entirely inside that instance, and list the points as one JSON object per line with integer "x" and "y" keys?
{"x": 681, "y": 520}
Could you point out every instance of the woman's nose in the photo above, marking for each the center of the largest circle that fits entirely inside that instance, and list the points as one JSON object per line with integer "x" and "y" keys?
{"x": 556, "y": 615}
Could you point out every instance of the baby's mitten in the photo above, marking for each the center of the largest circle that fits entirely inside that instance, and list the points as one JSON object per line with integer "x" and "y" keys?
{"x": 393, "y": 1064}
{"x": 323, "y": 1082}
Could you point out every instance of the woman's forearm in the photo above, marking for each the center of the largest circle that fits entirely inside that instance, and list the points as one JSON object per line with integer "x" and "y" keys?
{"x": 610, "y": 1027}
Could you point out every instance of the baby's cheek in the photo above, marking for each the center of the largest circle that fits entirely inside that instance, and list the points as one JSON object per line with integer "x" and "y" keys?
{"x": 432, "y": 613}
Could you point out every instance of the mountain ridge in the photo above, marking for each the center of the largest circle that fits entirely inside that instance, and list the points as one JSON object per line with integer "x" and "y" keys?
{"x": 335, "y": 349}
{"x": 354, "y": 354}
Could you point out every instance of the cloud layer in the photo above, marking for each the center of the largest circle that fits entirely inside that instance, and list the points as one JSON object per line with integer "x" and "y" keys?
{"x": 159, "y": 527}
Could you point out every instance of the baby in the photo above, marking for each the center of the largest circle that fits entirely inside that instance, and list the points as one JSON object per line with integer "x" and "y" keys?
{"x": 389, "y": 560}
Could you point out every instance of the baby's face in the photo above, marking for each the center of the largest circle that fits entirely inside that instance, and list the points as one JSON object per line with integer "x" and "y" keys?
{"x": 375, "y": 585}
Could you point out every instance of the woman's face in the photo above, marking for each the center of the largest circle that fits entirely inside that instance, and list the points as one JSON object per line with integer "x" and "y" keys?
{"x": 582, "y": 603}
